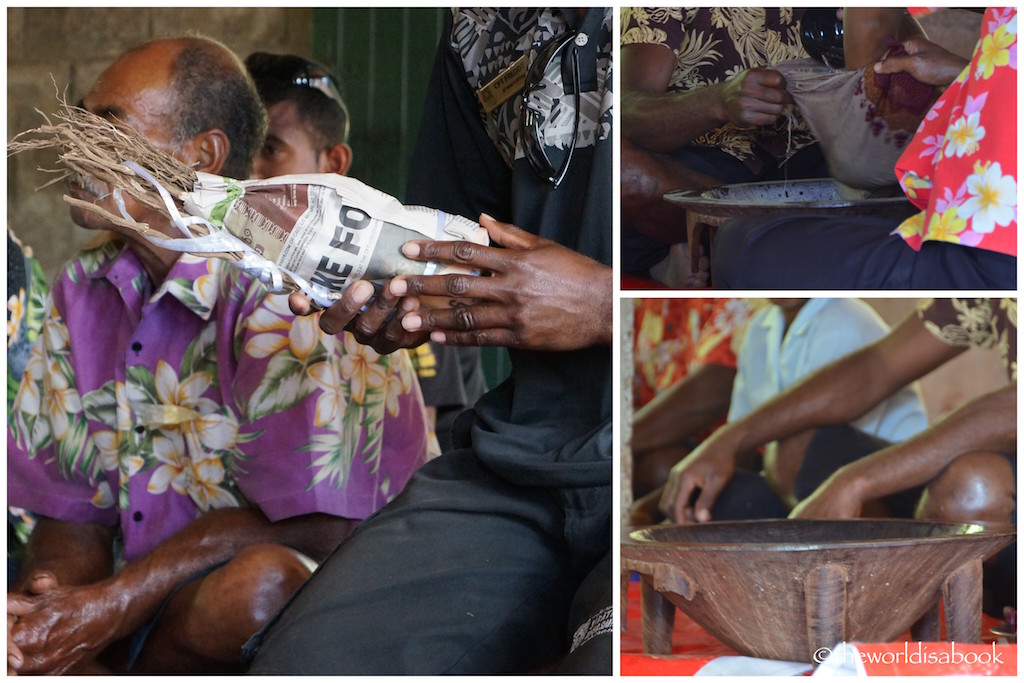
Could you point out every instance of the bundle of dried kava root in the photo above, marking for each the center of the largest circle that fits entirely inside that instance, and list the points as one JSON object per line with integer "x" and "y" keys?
{"x": 314, "y": 233}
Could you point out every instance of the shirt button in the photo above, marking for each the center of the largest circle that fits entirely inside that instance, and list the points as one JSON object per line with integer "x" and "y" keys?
{"x": 136, "y": 347}
{"x": 137, "y": 516}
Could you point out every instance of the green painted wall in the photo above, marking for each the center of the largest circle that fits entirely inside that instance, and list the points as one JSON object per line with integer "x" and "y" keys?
{"x": 383, "y": 58}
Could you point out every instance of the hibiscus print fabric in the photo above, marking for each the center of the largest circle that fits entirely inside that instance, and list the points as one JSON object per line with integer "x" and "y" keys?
{"x": 674, "y": 335}
{"x": 961, "y": 166}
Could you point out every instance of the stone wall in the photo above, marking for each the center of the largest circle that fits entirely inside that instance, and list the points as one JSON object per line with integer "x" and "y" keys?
{"x": 51, "y": 49}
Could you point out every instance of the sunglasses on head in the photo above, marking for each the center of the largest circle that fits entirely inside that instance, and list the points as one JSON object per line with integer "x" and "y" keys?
{"x": 536, "y": 110}
{"x": 294, "y": 71}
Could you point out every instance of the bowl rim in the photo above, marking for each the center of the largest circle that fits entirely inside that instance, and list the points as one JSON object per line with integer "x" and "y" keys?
{"x": 974, "y": 531}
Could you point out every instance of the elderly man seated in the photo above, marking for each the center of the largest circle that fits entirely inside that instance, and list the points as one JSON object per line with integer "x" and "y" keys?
{"x": 189, "y": 444}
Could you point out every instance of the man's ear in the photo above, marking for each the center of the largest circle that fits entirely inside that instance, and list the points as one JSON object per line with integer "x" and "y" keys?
{"x": 336, "y": 159}
{"x": 211, "y": 148}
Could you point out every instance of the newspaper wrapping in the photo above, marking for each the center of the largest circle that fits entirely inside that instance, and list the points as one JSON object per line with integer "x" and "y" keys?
{"x": 325, "y": 231}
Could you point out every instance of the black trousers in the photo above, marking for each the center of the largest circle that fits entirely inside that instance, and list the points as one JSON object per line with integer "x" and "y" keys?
{"x": 846, "y": 252}
{"x": 463, "y": 573}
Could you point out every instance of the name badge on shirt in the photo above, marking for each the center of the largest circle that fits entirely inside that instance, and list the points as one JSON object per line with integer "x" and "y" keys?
{"x": 509, "y": 82}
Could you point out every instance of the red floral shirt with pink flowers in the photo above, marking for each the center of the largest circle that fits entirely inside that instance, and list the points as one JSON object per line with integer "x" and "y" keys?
{"x": 960, "y": 168}
{"x": 673, "y": 335}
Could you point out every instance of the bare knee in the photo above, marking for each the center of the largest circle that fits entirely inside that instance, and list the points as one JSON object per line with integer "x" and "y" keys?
{"x": 209, "y": 620}
{"x": 239, "y": 598}
{"x": 976, "y": 487}
{"x": 258, "y": 581}
{"x": 639, "y": 184}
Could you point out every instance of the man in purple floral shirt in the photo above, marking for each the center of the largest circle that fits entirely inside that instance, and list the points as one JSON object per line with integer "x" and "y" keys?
{"x": 188, "y": 442}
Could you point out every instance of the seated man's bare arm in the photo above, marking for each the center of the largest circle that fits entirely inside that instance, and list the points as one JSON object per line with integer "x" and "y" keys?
{"x": 661, "y": 121}
{"x": 987, "y": 424}
{"x": 836, "y": 394}
{"x": 69, "y": 625}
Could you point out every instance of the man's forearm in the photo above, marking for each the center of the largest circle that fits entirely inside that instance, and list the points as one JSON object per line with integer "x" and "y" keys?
{"x": 215, "y": 537}
{"x": 987, "y": 423}
{"x": 848, "y": 388}
{"x": 686, "y": 408}
{"x": 663, "y": 122}
{"x": 837, "y": 394}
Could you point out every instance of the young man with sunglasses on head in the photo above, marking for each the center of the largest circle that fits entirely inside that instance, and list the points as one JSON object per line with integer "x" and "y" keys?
{"x": 307, "y": 132}
{"x": 188, "y": 442}
{"x": 307, "y": 120}
{"x": 497, "y": 557}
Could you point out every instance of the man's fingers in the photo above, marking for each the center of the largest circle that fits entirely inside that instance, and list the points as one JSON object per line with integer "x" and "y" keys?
{"x": 450, "y": 286}
{"x": 769, "y": 99}
{"x": 299, "y": 304}
{"x": 375, "y": 314}
{"x": 481, "y": 257}
{"x": 457, "y": 252}
{"x": 336, "y": 318}
{"x": 457, "y": 318}
{"x": 892, "y": 65}
{"x": 20, "y": 605}
{"x": 508, "y": 235}
{"x": 494, "y": 336}
{"x": 675, "y": 500}
{"x": 708, "y": 494}
{"x": 42, "y": 582}
{"x": 14, "y": 657}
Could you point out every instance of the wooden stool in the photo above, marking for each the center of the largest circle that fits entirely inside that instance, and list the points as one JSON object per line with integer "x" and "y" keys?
{"x": 700, "y": 230}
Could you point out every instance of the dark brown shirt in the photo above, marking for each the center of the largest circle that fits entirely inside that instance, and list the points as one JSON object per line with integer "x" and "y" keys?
{"x": 713, "y": 44}
{"x": 985, "y": 323}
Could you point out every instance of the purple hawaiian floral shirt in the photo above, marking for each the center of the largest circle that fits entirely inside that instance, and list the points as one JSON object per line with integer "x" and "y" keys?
{"x": 144, "y": 409}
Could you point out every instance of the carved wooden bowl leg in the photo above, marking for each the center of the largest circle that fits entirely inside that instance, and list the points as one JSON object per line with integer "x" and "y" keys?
{"x": 658, "y": 616}
{"x": 825, "y": 602}
{"x": 962, "y": 598}
{"x": 926, "y": 629}
{"x": 623, "y": 592}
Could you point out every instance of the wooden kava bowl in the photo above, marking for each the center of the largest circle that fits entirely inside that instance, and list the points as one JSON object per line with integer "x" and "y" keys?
{"x": 783, "y": 589}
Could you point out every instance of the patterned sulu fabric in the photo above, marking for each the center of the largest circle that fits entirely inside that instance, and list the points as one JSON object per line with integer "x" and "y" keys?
{"x": 489, "y": 41}
{"x": 960, "y": 168}
{"x": 142, "y": 407}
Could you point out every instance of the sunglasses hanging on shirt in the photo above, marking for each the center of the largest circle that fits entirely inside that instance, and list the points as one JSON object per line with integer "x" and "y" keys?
{"x": 549, "y": 118}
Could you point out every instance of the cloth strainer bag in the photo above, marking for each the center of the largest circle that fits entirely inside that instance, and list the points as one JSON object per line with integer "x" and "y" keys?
{"x": 862, "y": 120}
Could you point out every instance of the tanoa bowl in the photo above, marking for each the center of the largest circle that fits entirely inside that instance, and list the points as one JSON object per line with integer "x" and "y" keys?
{"x": 791, "y": 589}
{"x": 822, "y": 196}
